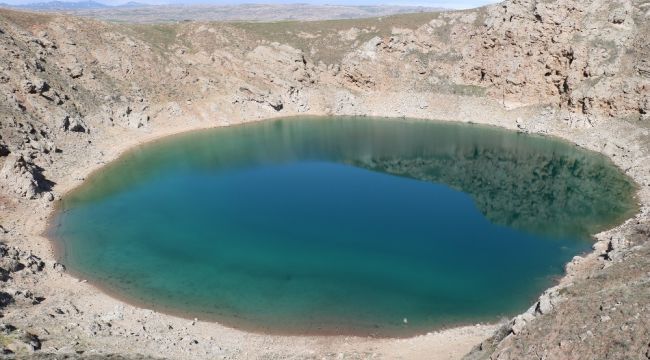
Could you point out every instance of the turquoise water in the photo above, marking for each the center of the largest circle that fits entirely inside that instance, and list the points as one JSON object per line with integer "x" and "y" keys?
{"x": 340, "y": 225}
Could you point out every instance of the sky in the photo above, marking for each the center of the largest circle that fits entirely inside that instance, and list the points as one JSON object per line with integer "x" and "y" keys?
{"x": 450, "y": 4}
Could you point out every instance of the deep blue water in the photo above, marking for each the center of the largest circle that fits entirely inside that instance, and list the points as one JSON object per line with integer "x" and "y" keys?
{"x": 340, "y": 225}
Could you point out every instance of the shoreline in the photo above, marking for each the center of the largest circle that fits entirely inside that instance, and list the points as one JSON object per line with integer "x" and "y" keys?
{"x": 57, "y": 247}
{"x": 453, "y": 340}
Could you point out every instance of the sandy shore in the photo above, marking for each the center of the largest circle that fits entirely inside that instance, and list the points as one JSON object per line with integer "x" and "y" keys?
{"x": 98, "y": 323}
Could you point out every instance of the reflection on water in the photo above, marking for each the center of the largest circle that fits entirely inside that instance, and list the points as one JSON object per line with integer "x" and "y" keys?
{"x": 528, "y": 182}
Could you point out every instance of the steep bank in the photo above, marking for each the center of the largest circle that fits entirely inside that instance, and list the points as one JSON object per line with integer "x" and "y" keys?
{"x": 78, "y": 92}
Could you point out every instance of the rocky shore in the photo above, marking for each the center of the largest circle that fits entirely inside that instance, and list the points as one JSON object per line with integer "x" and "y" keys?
{"x": 76, "y": 93}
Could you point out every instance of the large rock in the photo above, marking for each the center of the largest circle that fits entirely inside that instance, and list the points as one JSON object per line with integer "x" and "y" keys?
{"x": 22, "y": 177}
{"x": 18, "y": 341}
{"x": 74, "y": 124}
{"x": 4, "y": 149}
{"x": 250, "y": 94}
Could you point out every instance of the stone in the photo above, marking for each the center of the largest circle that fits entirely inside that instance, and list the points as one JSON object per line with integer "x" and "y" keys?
{"x": 40, "y": 85}
{"x": 246, "y": 94}
{"x": 544, "y": 305}
{"x": 21, "y": 176}
{"x": 644, "y": 105}
{"x": 520, "y": 322}
{"x": 275, "y": 103}
{"x": 614, "y": 247}
{"x": 618, "y": 16}
{"x": 11, "y": 265}
{"x": 28, "y": 87}
{"x": 518, "y": 325}
{"x": 76, "y": 71}
{"x": 34, "y": 86}
{"x": 34, "y": 263}
{"x": 74, "y": 124}
{"x": 58, "y": 267}
{"x": 4, "y": 150}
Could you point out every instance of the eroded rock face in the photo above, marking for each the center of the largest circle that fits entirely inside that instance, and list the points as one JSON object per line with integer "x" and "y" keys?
{"x": 22, "y": 177}
{"x": 569, "y": 53}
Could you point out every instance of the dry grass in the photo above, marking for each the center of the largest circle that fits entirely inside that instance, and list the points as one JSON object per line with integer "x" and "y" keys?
{"x": 322, "y": 40}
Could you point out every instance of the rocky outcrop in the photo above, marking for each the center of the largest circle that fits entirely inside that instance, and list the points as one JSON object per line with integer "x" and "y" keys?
{"x": 566, "y": 52}
{"x": 75, "y": 124}
{"x": 17, "y": 342}
{"x": 13, "y": 262}
{"x": 21, "y": 176}
{"x": 247, "y": 94}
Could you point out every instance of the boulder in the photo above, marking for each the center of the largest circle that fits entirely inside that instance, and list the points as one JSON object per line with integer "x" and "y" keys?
{"x": 35, "y": 86}
{"x": 34, "y": 263}
{"x": 74, "y": 124}
{"x": 520, "y": 322}
{"x": 58, "y": 267}
{"x": 249, "y": 93}
{"x": 76, "y": 71}
{"x": 618, "y": 16}
{"x": 22, "y": 177}
{"x": 4, "y": 150}
{"x": 544, "y": 306}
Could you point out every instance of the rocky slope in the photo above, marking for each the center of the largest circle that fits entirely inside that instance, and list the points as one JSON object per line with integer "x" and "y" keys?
{"x": 588, "y": 57}
{"x": 74, "y": 93}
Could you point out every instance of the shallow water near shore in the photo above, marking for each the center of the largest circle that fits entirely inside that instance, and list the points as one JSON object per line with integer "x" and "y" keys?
{"x": 335, "y": 225}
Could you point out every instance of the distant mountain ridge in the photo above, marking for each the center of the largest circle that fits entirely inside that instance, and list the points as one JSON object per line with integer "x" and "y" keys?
{"x": 132, "y": 4}
{"x": 135, "y": 12}
{"x": 72, "y": 5}
{"x": 63, "y": 5}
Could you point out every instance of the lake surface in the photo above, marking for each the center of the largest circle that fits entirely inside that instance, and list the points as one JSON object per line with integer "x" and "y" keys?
{"x": 340, "y": 225}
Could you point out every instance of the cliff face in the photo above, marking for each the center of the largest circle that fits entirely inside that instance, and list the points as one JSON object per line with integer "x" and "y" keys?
{"x": 587, "y": 57}
{"x": 72, "y": 90}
